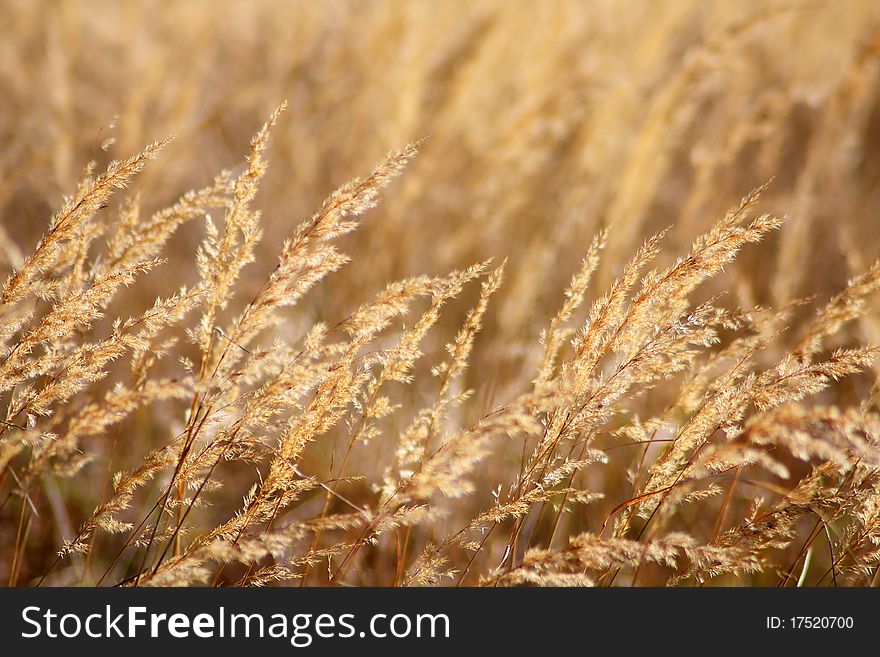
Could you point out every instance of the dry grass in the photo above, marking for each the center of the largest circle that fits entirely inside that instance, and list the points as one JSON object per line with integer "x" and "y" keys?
{"x": 610, "y": 323}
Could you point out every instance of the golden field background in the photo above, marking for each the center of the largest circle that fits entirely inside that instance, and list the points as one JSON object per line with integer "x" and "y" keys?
{"x": 546, "y": 123}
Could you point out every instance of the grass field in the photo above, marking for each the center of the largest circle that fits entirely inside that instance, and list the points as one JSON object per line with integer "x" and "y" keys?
{"x": 477, "y": 293}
